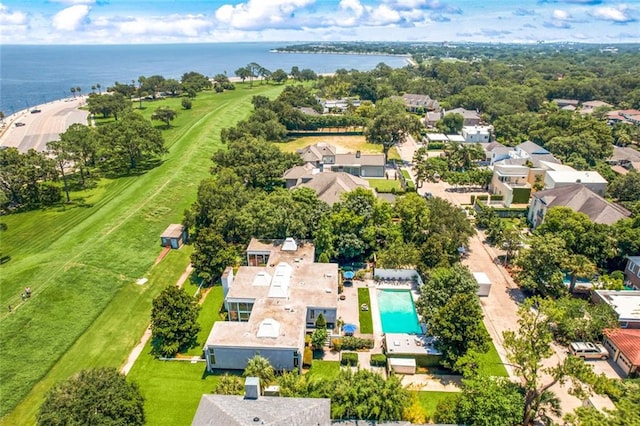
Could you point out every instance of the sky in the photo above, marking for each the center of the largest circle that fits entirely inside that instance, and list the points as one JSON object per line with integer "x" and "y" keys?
{"x": 178, "y": 21}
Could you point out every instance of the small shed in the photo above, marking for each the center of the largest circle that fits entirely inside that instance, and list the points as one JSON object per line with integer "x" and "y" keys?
{"x": 484, "y": 284}
{"x": 174, "y": 236}
{"x": 401, "y": 365}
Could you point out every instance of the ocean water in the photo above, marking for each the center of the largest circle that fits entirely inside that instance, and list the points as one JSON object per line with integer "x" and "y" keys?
{"x": 32, "y": 75}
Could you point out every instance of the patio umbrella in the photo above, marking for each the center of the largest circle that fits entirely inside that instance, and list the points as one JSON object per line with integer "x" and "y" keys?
{"x": 349, "y": 328}
{"x": 349, "y": 275}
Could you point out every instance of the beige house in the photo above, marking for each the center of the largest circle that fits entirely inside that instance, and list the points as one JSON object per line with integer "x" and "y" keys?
{"x": 270, "y": 304}
{"x": 512, "y": 182}
{"x": 325, "y": 157}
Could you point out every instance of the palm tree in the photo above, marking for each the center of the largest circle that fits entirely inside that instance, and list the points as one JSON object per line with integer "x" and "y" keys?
{"x": 99, "y": 89}
{"x": 260, "y": 367}
{"x": 79, "y": 90}
{"x": 93, "y": 88}
{"x": 73, "y": 91}
{"x": 581, "y": 266}
{"x": 229, "y": 385}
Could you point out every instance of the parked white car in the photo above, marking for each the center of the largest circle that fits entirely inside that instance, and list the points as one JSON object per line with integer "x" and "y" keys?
{"x": 588, "y": 350}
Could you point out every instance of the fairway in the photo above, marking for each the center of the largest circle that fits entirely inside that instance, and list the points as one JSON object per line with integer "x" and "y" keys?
{"x": 81, "y": 261}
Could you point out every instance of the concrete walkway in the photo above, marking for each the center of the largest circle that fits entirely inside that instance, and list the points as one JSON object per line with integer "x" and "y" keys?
{"x": 137, "y": 350}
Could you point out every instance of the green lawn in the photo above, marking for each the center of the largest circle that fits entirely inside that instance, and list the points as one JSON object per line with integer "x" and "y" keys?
{"x": 366, "y": 322}
{"x": 491, "y": 364}
{"x": 172, "y": 389}
{"x": 429, "y": 401}
{"x": 324, "y": 369}
{"x": 81, "y": 260}
{"x": 385, "y": 185}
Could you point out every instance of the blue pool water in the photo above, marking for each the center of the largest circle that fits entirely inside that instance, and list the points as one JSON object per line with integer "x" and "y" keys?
{"x": 397, "y": 312}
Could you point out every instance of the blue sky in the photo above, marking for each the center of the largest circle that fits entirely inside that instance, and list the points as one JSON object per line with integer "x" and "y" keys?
{"x": 170, "y": 21}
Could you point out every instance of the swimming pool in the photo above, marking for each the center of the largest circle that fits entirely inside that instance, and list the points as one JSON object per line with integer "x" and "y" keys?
{"x": 397, "y": 312}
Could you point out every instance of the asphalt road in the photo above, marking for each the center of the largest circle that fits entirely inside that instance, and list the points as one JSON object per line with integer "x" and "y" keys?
{"x": 43, "y": 127}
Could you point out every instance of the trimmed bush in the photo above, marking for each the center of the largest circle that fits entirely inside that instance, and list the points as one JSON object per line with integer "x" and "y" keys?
{"x": 435, "y": 145}
{"x": 355, "y": 343}
{"x": 337, "y": 344}
{"x": 349, "y": 358}
{"x": 378, "y": 360}
{"x": 307, "y": 358}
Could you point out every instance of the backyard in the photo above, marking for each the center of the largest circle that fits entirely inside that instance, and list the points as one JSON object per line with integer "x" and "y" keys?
{"x": 81, "y": 260}
{"x": 344, "y": 144}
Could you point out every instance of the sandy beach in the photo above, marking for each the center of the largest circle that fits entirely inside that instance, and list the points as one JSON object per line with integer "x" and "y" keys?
{"x": 26, "y": 130}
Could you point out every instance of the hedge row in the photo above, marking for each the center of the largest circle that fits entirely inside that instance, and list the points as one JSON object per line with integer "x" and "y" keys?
{"x": 354, "y": 343}
{"x": 378, "y": 360}
{"x": 349, "y": 358}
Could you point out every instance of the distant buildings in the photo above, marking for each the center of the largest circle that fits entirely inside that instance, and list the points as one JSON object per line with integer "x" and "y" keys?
{"x": 329, "y": 186}
{"x": 419, "y": 103}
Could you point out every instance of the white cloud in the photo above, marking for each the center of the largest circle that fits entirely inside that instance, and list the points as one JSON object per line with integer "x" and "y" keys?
{"x": 173, "y": 25}
{"x": 353, "y": 5}
{"x": 258, "y": 14}
{"x": 8, "y": 17}
{"x": 74, "y": 2}
{"x": 71, "y": 18}
{"x": 620, "y": 14}
{"x": 561, "y": 15}
{"x": 383, "y": 15}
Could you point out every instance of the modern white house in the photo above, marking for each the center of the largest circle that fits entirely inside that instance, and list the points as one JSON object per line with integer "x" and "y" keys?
{"x": 270, "y": 304}
{"x": 512, "y": 182}
{"x": 591, "y": 179}
{"x": 477, "y": 134}
{"x": 625, "y": 303}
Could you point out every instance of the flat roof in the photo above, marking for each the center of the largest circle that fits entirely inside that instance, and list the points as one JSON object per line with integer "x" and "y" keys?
{"x": 304, "y": 253}
{"x": 439, "y": 137}
{"x": 576, "y": 176}
{"x": 409, "y": 344}
{"x": 174, "y": 230}
{"x": 311, "y": 284}
{"x": 626, "y": 303}
{"x": 481, "y": 278}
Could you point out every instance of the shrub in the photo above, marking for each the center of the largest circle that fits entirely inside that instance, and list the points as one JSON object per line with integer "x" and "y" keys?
{"x": 378, "y": 360}
{"x": 186, "y": 103}
{"x": 349, "y": 358}
{"x": 307, "y": 358}
{"x": 318, "y": 338}
{"x": 361, "y": 275}
{"x": 355, "y": 343}
{"x": 321, "y": 322}
{"x": 337, "y": 344}
{"x": 307, "y": 339}
{"x": 435, "y": 145}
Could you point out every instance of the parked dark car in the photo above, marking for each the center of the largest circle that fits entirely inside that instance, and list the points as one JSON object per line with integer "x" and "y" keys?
{"x": 35, "y": 111}
{"x": 20, "y": 124}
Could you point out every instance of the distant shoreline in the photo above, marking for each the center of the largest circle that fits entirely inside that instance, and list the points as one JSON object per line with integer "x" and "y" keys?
{"x": 408, "y": 57}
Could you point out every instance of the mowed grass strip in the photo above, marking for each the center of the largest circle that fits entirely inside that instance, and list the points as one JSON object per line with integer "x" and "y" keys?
{"x": 429, "y": 401}
{"x": 366, "y": 322}
{"x": 172, "y": 389}
{"x": 77, "y": 259}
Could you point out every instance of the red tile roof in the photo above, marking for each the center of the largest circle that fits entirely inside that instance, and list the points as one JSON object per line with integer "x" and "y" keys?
{"x": 627, "y": 341}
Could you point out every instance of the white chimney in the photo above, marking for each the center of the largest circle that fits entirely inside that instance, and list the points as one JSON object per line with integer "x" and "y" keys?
{"x": 227, "y": 280}
{"x": 251, "y": 388}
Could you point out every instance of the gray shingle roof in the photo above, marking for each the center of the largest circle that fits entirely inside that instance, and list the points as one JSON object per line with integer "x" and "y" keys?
{"x": 331, "y": 185}
{"x": 532, "y": 148}
{"x": 315, "y": 152}
{"x": 581, "y": 199}
{"x": 234, "y": 410}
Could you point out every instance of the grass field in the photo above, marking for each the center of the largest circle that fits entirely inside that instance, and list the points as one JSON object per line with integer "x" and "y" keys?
{"x": 81, "y": 261}
{"x": 385, "y": 185}
{"x": 343, "y": 144}
{"x": 366, "y": 322}
{"x": 429, "y": 401}
{"x": 324, "y": 369}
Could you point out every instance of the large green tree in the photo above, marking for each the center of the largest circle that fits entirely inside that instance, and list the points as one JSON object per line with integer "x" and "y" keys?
{"x": 440, "y": 285}
{"x": 540, "y": 266}
{"x": 164, "y": 114}
{"x": 100, "y": 396}
{"x": 211, "y": 254}
{"x": 528, "y": 348}
{"x": 391, "y": 124}
{"x": 174, "y": 322}
{"x": 457, "y": 334}
{"x": 127, "y": 142}
{"x": 450, "y": 124}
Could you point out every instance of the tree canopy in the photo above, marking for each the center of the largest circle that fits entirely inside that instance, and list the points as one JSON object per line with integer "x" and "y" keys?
{"x": 174, "y": 322}
{"x": 100, "y": 396}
